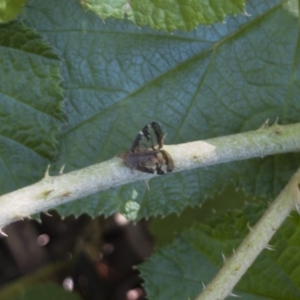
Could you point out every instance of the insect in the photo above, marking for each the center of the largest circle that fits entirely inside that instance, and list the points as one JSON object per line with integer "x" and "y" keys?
{"x": 146, "y": 153}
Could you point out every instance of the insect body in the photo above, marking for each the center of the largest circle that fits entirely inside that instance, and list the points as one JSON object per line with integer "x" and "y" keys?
{"x": 146, "y": 153}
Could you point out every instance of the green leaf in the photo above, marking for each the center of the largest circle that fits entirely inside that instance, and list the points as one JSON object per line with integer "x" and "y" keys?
{"x": 178, "y": 271}
{"x": 30, "y": 105}
{"x": 214, "y": 81}
{"x": 167, "y": 15}
{"x": 164, "y": 229}
{"x": 9, "y": 9}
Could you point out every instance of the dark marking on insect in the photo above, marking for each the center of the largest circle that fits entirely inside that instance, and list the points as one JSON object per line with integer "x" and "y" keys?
{"x": 146, "y": 153}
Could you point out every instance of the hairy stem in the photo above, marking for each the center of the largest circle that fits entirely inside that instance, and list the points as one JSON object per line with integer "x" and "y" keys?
{"x": 256, "y": 241}
{"x": 52, "y": 191}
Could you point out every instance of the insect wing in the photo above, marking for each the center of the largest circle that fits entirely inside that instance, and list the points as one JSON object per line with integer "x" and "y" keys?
{"x": 149, "y": 138}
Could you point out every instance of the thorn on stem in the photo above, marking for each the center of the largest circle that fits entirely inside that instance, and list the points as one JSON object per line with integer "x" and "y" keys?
{"x": 234, "y": 253}
{"x": 224, "y": 258}
{"x": 18, "y": 217}
{"x": 61, "y": 171}
{"x": 3, "y": 233}
{"x": 265, "y": 124}
{"x": 47, "y": 214}
{"x": 47, "y": 171}
{"x": 147, "y": 184}
{"x": 249, "y": 227}
{"x": 269, "y": 247}
{"x": 234, "y": 295}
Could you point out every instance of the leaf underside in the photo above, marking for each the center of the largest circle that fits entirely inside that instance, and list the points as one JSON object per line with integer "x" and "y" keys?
{"x": 180, "y": 270}
{"x": 31, "y": 112}
{"x": 216, "y": 80}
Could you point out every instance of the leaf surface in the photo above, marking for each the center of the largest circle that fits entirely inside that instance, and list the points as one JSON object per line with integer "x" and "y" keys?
{"x": 178, "y": 271}
{"x": 167, "y": 15}
{"x": 30, "y": 105}
{"x": 9, "y": 9}
{"x": 214, "y": 81}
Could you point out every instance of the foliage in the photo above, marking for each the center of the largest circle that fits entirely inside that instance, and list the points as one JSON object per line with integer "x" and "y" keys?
{"x": 76, "y": 91}
{"x": 169, "y": 14}
{"x": 180, "y": 270}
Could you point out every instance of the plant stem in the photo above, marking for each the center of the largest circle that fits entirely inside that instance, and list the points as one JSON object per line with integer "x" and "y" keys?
{"x": 256, "y": 241}
{"x": 52, "y": 191}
